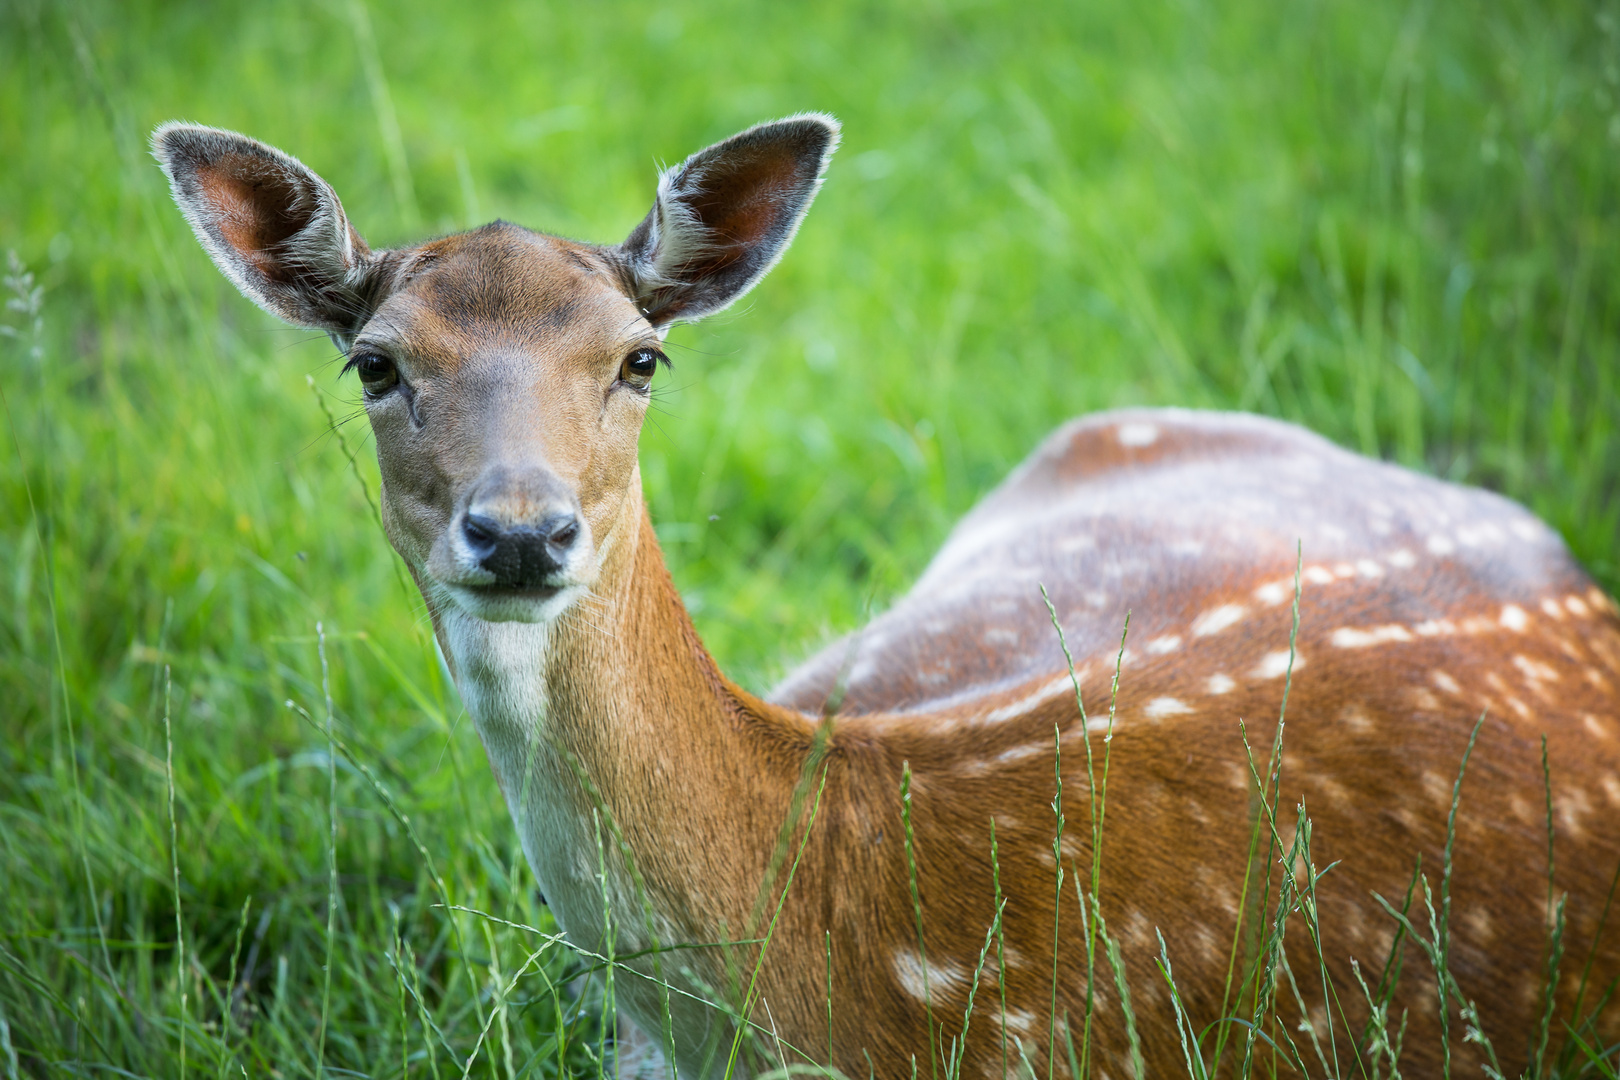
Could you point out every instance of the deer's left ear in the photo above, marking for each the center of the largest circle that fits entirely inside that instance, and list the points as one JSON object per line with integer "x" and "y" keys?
{"x": 724, "y": 216}
{"x": 271, "y": 225}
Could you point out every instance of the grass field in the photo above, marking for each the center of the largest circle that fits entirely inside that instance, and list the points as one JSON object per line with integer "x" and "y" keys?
{"x": 1398, "y": 224}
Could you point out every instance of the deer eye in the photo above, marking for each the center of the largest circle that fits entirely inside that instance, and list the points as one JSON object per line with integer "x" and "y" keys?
{"x": 638, "y": 367}
{"x": 377, "y": 373}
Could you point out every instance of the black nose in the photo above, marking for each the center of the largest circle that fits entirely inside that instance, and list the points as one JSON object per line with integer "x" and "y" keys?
{"x": 524, "y": 556}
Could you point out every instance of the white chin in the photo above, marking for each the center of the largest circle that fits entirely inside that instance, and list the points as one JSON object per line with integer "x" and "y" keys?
{"x": 522, "y": 606}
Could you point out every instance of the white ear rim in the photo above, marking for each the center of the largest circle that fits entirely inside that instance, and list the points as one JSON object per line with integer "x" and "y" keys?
{"x": 325, "y": 245}
{"x": 677, "y": 238}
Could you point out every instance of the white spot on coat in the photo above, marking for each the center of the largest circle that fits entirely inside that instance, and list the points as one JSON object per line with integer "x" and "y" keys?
{"x": 1513, "y": 702}
{"x": 1274, "y": 665}
{"x": 1514, "y": 618}
{"x": 1402, "y": 559}
{"x": 1138, "y": 434}
{"x": 1019, "y": 1021}
{"x": 942, "y": 980}
{"x": 1534, "y": 670}
{"x": 1356, "y": 718}
{"x": 1478, "y": 921}
{"x": 1096, "y": 725}
{"x": 1424, "y": 699}
{"x": 1207, "y": 946}
{"x": 1020, "y": 753}
{"x": 1215, "y": 620}
{"x": 1167, "y": 643}
{"x": 1273, "y": 593}
{"x": 1337, "y": 793}
{"x": 1577, "y": 606}
{"x": 1351, "y": 637}
{"x": 1573, "y": 804}
{"x": 1550, "y": 606}
{"x": 1161, "y": 707}
{"x": 1368, "y": 568}
{"x": 1219, "y": 683}
{"x": 1440, "y": 545}
{"x": 1445, "y": 682}
{"x": 1023, "y": 706}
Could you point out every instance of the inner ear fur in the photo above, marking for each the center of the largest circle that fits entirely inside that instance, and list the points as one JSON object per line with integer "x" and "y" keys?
{"x": 724, "y": 216}
{"x": 272, "y": 226}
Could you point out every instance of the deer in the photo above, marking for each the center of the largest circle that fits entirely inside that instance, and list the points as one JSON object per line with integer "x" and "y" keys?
{"x": 892, "y": 799}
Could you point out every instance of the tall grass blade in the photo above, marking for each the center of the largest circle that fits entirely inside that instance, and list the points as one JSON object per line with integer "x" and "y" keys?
{"x": 752, "y": 997}
{"x": 1057, "y": 901}
{"x": 829, "y": 1000}
{"x": 174, "y": 867}
{"x": 991, "y": 936}
{"x": 227, "y": 1001}
{"x": 917, "y": 911}
{"x": 382, "y": 102}
{"x": 1097, "y": 792}
{"x": 6, "y": 1049}
{"x": 29, "y": 299}
{"x": 1189, "y": 1050}
{"x": 1587, "y": 1021}
{"x": 1555, "y": 931}
{"x": 1001, "y": 943}
{"x": 331, "y": 860}
{"x": 1122, "y": 986}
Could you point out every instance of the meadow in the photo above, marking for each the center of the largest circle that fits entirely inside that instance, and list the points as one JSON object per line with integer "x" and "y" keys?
{"x": 1396, "y": 223}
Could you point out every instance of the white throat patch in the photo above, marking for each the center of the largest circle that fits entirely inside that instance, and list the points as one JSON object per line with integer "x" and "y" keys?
{"x": 501, "y": 675}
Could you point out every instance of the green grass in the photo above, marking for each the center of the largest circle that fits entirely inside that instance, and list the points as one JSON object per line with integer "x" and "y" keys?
{"x": 1394, "y": 223}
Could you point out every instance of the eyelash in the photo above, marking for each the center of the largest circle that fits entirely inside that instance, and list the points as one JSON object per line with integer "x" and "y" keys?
{"x": 657, "y": 355}
{"x": 388, "y": 372}
{"x": 635, "y": 379}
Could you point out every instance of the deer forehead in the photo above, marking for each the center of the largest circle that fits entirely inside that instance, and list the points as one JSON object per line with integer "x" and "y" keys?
{"x": 500, "y": 297}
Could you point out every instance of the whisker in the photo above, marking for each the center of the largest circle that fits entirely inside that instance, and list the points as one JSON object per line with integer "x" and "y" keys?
{"x": 695, "y": 351}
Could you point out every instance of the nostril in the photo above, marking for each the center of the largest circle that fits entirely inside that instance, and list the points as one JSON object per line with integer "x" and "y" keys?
{"x": 482, "y": 535}
{"x": 561, "y": 531}
{"x": 520, "y": 556}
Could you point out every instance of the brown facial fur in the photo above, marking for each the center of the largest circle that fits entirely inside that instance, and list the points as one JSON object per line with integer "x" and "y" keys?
{"x": 509, "y": 344}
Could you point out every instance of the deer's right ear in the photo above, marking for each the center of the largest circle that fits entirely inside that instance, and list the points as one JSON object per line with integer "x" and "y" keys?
{"x": 271, "y": 225}
{"x": 724, "y": 216}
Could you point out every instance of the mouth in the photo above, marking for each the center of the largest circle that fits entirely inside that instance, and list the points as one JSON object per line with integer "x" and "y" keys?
{"x": 508, "y": 603}
{"x": 534, "y": 593}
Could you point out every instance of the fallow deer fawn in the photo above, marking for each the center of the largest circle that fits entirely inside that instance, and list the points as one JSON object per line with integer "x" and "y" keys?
{"x": 506, "y": 373}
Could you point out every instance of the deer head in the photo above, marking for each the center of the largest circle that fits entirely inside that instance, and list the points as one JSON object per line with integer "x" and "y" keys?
{"x": 505, "y": 372}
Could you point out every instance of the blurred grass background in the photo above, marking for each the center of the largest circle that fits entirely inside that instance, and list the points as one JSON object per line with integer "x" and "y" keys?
{"x": 1392, "y": 222}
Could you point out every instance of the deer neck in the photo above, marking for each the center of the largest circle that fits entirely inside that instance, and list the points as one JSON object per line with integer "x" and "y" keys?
{"x": 626, "y": 758}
